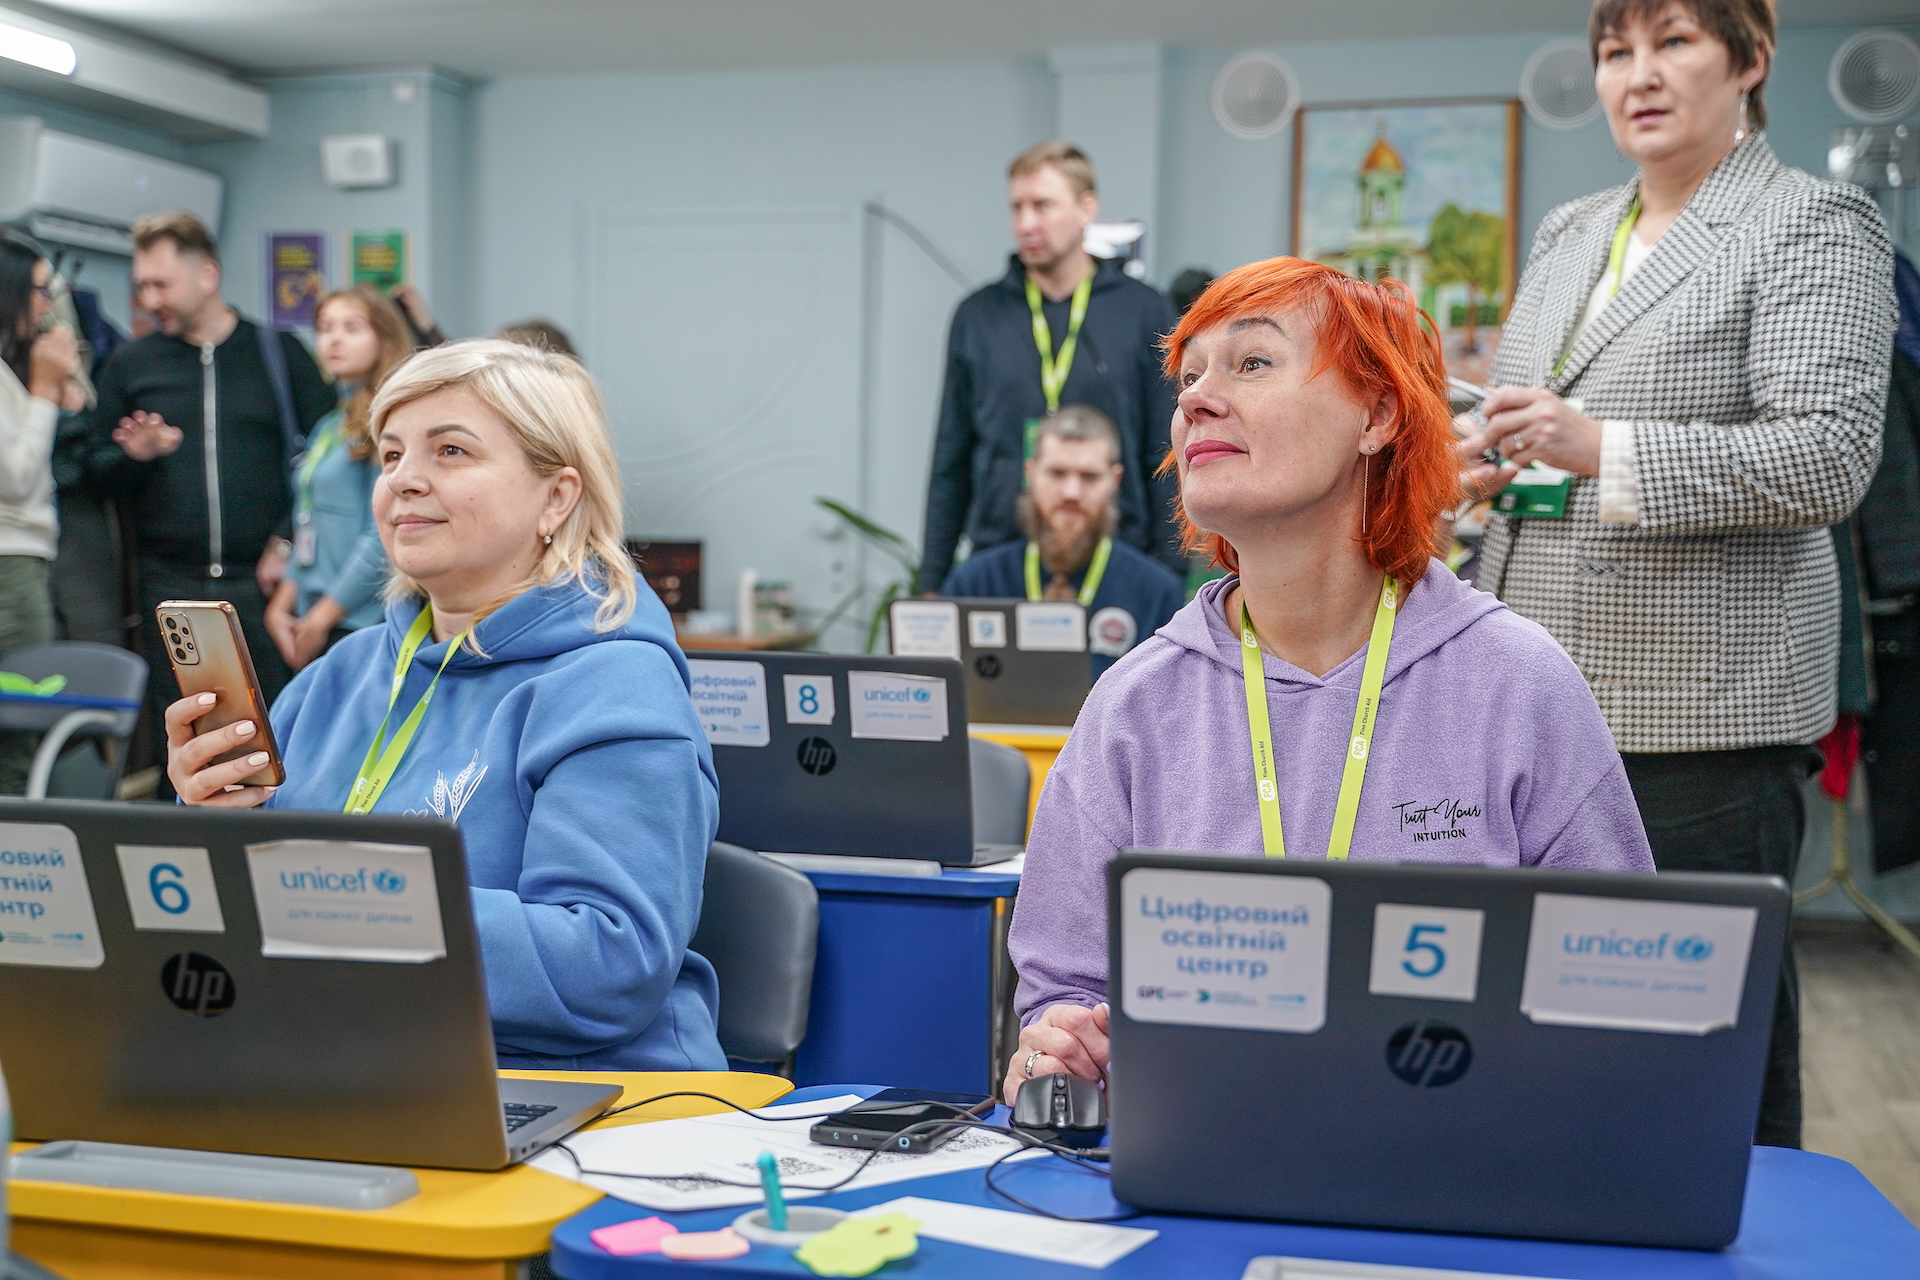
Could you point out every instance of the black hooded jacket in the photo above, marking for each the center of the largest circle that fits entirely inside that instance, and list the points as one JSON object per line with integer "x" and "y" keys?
{"x": 993, "y": 389}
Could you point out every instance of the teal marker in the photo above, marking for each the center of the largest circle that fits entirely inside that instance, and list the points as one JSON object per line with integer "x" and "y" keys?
{"x": 770, "y": 1183}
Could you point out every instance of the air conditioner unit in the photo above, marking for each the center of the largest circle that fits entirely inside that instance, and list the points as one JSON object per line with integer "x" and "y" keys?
{"x": 76, "y": 191}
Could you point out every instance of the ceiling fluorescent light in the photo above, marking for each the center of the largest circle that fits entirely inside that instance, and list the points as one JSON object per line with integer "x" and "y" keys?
{"x": 36, "y": 50}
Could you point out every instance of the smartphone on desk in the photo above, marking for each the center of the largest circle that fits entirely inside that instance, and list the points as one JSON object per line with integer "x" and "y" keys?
{"x": 881, "y": 1120}
{"x": 208, "y": 652}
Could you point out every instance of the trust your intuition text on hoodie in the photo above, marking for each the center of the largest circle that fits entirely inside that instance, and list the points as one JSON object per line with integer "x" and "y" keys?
{"x": 1488, "y": 751}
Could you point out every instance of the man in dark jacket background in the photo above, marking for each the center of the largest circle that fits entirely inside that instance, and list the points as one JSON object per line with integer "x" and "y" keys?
{"x": 193, "y": 436}
{"x": 997, "y": 384}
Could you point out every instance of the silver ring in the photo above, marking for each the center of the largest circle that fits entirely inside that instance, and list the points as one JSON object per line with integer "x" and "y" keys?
{"x": 1518, "y": 444}
{"x": 1027, "y": 1069}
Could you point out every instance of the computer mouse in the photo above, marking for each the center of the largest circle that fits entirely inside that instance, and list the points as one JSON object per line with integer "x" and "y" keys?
{"x": 1062, "y": 1109}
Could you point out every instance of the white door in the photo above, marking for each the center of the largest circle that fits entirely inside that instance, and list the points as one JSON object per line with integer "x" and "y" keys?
{"x": 728, "y": 345}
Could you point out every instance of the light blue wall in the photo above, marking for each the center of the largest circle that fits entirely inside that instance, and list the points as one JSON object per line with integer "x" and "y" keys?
{"x": 274, "y": 183}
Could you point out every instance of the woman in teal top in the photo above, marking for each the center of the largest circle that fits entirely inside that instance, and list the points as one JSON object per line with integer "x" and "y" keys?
{"x": 339, "y": 568}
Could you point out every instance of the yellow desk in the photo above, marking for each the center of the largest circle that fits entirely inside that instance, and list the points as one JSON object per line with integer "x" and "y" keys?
{"x": 466, "y": 1225}
{"x": 1039, "y": 743}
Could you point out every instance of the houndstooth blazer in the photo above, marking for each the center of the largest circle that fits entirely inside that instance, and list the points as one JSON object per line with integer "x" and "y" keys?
{"x": 1750, "y": 352}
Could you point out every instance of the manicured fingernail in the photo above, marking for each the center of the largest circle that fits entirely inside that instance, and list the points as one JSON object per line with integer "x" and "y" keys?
{"x": 257, "y": 758}
{"x": 243, "y": 729}
{"x": 208, "y": 699}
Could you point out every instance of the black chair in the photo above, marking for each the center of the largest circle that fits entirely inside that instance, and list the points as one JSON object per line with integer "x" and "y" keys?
{"x": 98, "y": 698}
{"x": 759, "y": 928}
{"x": 1002, "y": 782}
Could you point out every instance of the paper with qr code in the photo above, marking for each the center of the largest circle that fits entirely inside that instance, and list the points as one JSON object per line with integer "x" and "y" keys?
{"x": 691, "y": 1163}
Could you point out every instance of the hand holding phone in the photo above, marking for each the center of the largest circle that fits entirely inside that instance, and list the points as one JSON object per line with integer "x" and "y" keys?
{"x": 220, "y": 748}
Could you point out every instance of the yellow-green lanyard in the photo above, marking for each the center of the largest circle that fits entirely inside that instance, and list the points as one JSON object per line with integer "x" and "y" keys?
{"x": 379, "y": 767}
{"x": 1053, "y": 368}
{"x": 1616, "y": 266}
{"x": 1088, "y": 586}
{"x": 309, "y": 464}
{"x": 1260, "y": 729}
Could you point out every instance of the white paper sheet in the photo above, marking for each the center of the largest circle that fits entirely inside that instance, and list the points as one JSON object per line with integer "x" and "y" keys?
{"x": 1211, "y": 949}
{"x": 1277, "y": 1268}
{"x": 46, "y": 907}
{"x": 1079, "y": 1244}
{"x": 695, "y": 1159}
{"x": 1632, "y": 964}
{"x": 731, "y": 700}
{"x": 903, "y": 708}
{"x": 924, "y": 628}
{"x": 346, "y": 900}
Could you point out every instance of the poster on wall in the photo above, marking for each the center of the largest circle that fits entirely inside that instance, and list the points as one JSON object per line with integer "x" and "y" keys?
{"x": 1426, "y": 193}
{"x": 296, "y": 277}
{"x": 380, "y": 259}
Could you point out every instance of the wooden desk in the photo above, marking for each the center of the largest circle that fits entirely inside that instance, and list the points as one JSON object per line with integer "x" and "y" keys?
{"x": 464, "y": 1225}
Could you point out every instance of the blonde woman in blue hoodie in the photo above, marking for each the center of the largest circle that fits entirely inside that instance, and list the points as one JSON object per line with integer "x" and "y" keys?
{"x": 559, "y": 733}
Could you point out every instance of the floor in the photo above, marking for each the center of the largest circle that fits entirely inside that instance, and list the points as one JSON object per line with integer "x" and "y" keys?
{"x": 1860, "y": 1053}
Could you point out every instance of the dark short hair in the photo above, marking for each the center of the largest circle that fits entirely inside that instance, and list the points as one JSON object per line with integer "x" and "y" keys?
{"x": 1078, "y": 422}
{"x": 188, "y": 233}
{"x": 1749, "y": 29}
{"x": 539, "y": 333}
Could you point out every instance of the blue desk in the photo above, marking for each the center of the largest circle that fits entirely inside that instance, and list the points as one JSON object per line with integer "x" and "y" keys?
{"x": 910, "y": 980}
{"x": 1808, "y": 1217}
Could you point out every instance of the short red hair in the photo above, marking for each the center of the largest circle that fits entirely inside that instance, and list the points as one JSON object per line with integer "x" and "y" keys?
{"x": 1373, "y": 337}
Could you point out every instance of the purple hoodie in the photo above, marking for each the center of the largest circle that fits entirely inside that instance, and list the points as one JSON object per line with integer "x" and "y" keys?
{"x": 1488, "y": 751}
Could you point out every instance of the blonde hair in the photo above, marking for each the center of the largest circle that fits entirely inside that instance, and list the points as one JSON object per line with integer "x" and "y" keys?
{"x": 554, "y": 410}
{"x": 395, "y": 346}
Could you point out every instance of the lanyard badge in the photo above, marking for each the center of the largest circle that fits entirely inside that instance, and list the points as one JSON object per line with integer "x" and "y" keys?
{"x": 1089, "y": 587}
{"x": 1359, "y": 744}
{"x": 379, "y": 766}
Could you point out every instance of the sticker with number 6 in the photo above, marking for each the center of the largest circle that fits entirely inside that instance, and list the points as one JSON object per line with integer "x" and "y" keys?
{"x": 170, "y": 888}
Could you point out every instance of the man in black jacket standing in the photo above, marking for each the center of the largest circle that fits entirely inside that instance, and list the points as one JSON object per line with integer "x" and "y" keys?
{"x": 1059, "y": 328}
{"x": 194, "y": 431}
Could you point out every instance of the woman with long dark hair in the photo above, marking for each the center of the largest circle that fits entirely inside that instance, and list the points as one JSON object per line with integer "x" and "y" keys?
{"x": 38, "y": 359}
{"x": 333, "y": 585}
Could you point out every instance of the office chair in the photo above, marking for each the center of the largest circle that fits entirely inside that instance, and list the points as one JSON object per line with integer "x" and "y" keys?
{"x": 1001, "y": 780}
{"x": 759, "y": 928}
{"x": 84, "y": 689}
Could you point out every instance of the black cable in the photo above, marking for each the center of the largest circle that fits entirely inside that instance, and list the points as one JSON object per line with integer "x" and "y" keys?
{"x": 961, "y": 1118}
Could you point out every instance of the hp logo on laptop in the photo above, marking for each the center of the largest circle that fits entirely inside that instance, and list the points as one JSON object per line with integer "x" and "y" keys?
{"x": 816, "y": 756}
{"x": 988, "y": 666}
{"x": 1429, "y": 1054}
{"x": 199, "y": 984}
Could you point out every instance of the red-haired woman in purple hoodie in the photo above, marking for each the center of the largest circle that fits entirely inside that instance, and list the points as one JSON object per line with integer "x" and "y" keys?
{"x": 1316, "y": 460}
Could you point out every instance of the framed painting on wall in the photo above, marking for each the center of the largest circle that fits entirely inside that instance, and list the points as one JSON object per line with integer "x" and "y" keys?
{"x": 1424, "y": 192}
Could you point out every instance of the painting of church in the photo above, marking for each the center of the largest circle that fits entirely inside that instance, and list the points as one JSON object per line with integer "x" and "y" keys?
{"x": 1423, "y": 193}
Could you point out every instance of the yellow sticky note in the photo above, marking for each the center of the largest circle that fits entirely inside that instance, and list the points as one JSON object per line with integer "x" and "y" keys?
{"x": 860, "y": 1246}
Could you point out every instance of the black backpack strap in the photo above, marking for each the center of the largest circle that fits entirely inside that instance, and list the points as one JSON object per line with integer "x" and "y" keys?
{"x": 293, "y": 440}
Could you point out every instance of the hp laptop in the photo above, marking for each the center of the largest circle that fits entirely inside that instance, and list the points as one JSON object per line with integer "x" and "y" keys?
{"x": 1026, "y": 660}
{"x": 1557, "y": 1054}
{"x": 259, "y": 981}
{"x": 833, "y": 754}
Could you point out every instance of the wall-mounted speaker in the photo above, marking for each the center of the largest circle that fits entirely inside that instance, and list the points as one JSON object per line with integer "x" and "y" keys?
{"x": 355, "y": 160}
{"x": 1875, "y": 76}
{"x": 1556, "y": 86}
{"x": 1255, "y": 95}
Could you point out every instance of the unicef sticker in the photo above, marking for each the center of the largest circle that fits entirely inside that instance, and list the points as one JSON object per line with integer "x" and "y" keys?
{"x": 1111, "y": 631}
{"x": 346, "y": 900}
{"x": 1636, "y": 965}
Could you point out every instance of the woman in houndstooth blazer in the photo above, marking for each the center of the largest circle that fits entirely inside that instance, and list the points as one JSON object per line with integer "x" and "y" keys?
{"x": 1706, "y": 350}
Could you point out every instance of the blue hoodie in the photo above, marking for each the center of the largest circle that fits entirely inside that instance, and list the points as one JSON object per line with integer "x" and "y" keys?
{"x": 584, "y": 786}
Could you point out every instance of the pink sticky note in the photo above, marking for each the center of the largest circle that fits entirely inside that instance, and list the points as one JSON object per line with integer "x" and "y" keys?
{"x": 705, "y": 1246}
{"x": 642, "y": 1235}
